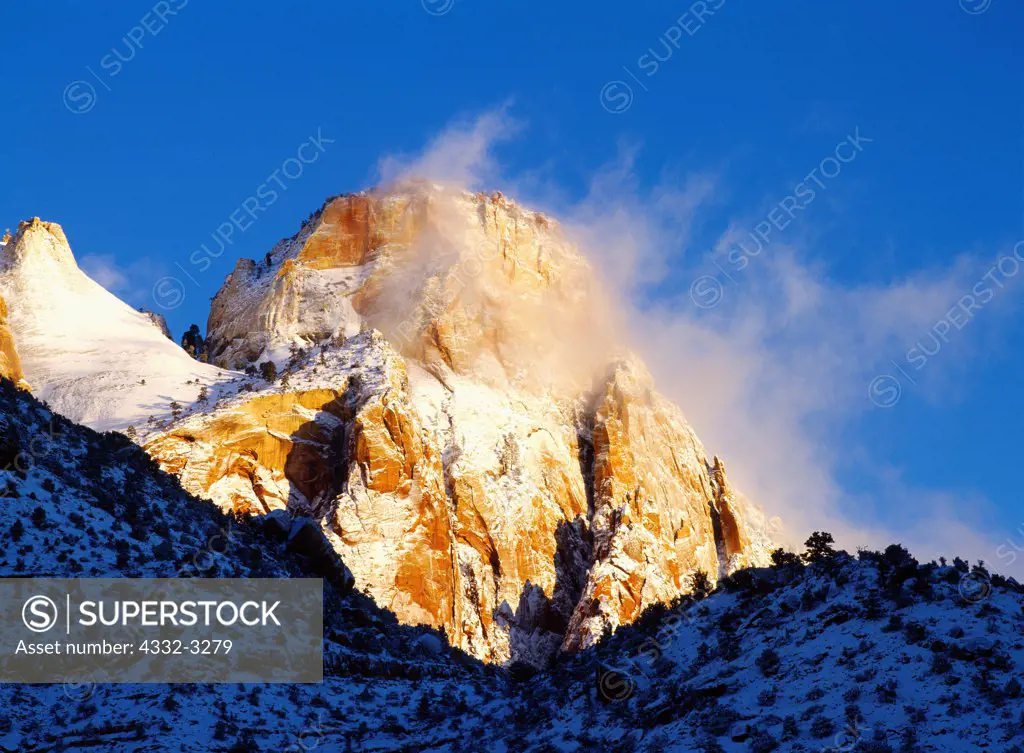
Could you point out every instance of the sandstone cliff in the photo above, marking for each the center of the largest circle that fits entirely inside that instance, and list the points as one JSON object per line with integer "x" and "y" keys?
{"x": 10, "y": 364}
{"x": 456, "y": 410}
{"x": 436, "y": 377}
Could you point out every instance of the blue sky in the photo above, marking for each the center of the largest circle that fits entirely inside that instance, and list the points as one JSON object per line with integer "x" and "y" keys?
{"x": 146, "y": 159}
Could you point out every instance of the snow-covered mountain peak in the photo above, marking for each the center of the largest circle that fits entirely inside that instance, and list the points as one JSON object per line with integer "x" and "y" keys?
{"x": 40, "y": 245}
{"x": 436, "y": 377}
{"x": 91, "y": 356}
{"x": 467, "y": 283}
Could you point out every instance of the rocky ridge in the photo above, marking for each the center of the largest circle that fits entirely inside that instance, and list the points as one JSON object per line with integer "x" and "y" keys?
{"x": 436, "y": 377}
{"x": 10, "y": 363}
{"x": 871, "y": 654}
{"x": 491, "y": 461}
{"x": 88, "y": 354}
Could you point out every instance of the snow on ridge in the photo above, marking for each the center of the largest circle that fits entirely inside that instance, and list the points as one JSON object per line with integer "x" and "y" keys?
{"x": 88, "y": 354}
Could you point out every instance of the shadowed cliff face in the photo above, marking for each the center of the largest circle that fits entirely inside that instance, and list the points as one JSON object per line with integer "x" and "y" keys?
{"x": 457, "y": 411}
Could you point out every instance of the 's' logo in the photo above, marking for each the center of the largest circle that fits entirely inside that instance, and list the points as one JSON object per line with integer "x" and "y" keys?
{"x": 39, "y": 614}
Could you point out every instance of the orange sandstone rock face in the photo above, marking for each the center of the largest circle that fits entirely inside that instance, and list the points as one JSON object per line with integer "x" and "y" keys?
{"x": 10, "y": 364}
{"x": 351, "y": 230}
{"x": 661, "y": 511}
{"x": 249, "y": 456}
{"x": 443, "y": 421}
{"x": 392, "y": 517}
{"x": 460, "y": 282}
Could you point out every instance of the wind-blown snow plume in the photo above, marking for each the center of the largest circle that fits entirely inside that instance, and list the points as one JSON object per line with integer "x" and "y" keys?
{"x": 461, "y": 156}
{"x": 777, "y": 373}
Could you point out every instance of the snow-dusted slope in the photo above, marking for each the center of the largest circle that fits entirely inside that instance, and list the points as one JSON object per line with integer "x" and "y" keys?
{"x": 81, "y": 504}
{"x": 868, "y": 655}
{"x": 85, "y": 352}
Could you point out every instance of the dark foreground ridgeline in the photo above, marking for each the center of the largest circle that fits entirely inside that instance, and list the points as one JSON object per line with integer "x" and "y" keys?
{"x": 828, "y": 652}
